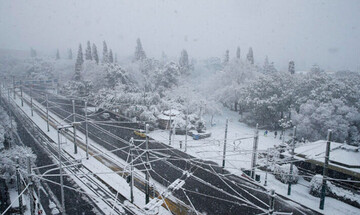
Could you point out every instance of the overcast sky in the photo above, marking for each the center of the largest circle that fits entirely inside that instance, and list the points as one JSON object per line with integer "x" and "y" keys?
{"x": 307, "y": 31}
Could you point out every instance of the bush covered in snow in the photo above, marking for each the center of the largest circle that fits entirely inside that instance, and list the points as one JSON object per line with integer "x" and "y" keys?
{"x": 282, "y": 173}
{"x": 333, "y": 191}
{"x": 316, "y": 186}
{"x": 8, "y": 161}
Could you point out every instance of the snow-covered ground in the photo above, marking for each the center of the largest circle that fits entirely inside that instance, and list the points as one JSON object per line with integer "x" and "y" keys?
{"x": 239, "y": 153}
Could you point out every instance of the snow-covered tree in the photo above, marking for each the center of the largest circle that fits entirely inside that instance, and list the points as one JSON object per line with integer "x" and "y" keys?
{"x": 95, "y": 55}
{"x": 268, "y": 68}
{"x": 168, "y": 77}
{"x": 250, "y": 56}
{"x": 316, "y": 69}
{"x": 238, "y": 53}
{"x": 282, "y": 173}
{"x": 184, "y": 62}
{"x": 291, "y": 67}
{"x": 57, "y": 54}
{"x": 111, "y": 58}
{"x": 226, "y": 57}
{"x": 79, "y": 64}
{"x": 88, "y": 55}
{"x": 116, "y": 58}
{"x": 70, "y": 55}
{"x": 105, "y": 58}
{"x": 8, "y": 161}
{"x": 139, "y": 52}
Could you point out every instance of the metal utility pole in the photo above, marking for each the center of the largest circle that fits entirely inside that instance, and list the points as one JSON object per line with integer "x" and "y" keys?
{"x": 170, "y": 129}
{"x": 47, "y": 113}
{"x": 31, "y": 189}
{"x": 86, "y": 132}
{"x": 325, "y": 170}
{"x": 147, "y": 165}
{"x": 224, "y": 151}
{"x": 13, "y": 77}
{"x": 10, "y": 114}
{"x": 267, "y": 166}
{"x": 21, "y": 94}
{"x": 131, "y": 171}
{"x": 254, "y": 154}
{"x": 61, "y": 174}
{"x": 19, "y": 186}
{"x": 31, "y": 101}
{"x": 292, "y": 160}
{"x": 186, "y": 127}
{"x": 74, "y": 119}
{"x": 272, "y": 201}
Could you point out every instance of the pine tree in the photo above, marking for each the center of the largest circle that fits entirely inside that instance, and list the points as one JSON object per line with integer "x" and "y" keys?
{"x": 111, "y": 58}
{"x": 78, "y": 64}
{"x": 238, "y": 53}
{"x": 184, "y": 62}
{"x": 226, "y": 57}
{"x": 88, "y": 55}
{"x": 115, "y": 60}
{"x": 70, "y": 56}
{"x": 95, "y": 55}
{"x": 32, "y": 52}
{"x": 250, "y": 56}
{"x": 57, "y": 54}
{"x": 105, "y": 53}
{"x": 139, "y": 52}
{"x": 292, "y": 67}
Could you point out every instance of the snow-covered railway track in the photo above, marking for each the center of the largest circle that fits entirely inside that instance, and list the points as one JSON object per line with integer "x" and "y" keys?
{"x": 176, "y": 206}
{"x": 81, "y": 175}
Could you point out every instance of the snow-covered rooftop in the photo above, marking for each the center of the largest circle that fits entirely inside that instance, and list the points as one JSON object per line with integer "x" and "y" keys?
{"x": 340, "y": 154}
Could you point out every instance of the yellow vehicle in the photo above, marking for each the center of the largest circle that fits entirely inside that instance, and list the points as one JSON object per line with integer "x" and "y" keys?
{"x": 140, "y": 133}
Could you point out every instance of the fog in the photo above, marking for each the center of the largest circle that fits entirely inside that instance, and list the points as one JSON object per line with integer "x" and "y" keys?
{"x": 308, "y": 32}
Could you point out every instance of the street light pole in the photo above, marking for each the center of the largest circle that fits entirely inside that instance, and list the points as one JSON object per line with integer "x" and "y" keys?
{"x": 147, "y": 187}
{"x": 254, "y": 154}
{"x": 292, "y": 160}
{"x": 86, "y": 132}
{"x": 74, "y": 119}
{"x": 224, "y": 151}
{"x": 186, "y": 127}
{"x": 47, "y": 113}
{"x": 131, "y": 171}
{"x": 325, "y": 171}
{"x": 61, "y": 173}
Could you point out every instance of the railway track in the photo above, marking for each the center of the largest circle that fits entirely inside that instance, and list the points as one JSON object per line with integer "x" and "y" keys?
{"x": 80, "y": 174}
{"x": 176, "y": 206}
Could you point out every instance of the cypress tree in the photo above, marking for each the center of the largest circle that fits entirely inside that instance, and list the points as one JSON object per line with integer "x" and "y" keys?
{"x": 105, "y": 53}
{"x": 184, "y": 62}
{"x": 139, "y": 52}
{"x": 250, "y": 56}
{"x": 88, "y": 55}
{"x": 95, "y": 55}
{"x": 78, "y": 64}
{"x": 111, "y": 58}
{"x": 238, "y": 52}
{"x": 292, "y": 67}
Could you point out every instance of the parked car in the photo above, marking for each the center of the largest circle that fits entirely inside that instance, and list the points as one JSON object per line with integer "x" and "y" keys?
{"x": 140, "y": 133}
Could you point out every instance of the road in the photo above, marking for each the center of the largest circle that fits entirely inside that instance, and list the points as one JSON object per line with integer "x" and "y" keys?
{"x": 206, "y": 188}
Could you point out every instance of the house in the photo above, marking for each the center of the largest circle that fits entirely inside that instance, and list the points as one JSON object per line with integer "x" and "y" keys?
{"x": 344, "y": 160}
{"x": 166, "y": 117}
